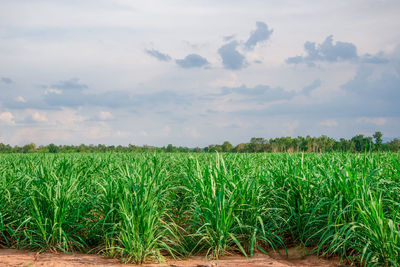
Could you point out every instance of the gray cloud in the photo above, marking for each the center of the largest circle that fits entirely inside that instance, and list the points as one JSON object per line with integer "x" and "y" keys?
{"x": 71, "y": 94}
{"x": 71, "y": 84}
{"x": 265, "y": 93}
{"x": 231, "y": 58}
{"x": 375, "y": 87}
{"x": 373, "y": 92}
{"x": 309, "y": 88}
{"x": 262, "y": 33}
{"x": 327, "y": 51}
{"x": 192, "y": 61}
{"x": 50, "y": 97}
{"x": 33, "y": 103}
{"x": 228, "y": 37}
{"x": 66, "y": 93}
{"x": 69, "y": 99}
{"x": 161, "y": 98}
{"x": 158, "y": 55}
{"x": 259, "y": 93}
{"x": 374, "y": 59}
{"x": 6, "y": 80}
{"x": 111, "y": 99}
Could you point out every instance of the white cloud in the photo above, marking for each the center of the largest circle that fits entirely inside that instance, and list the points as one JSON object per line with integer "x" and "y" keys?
{"x": 99, "y": 132}
{"x": 192, "y": 132}
{"x": 143, "y": 133}
{"x": 228, "y": 80}
{"x": 20, "y": 99}
{"x": 53, "y": 91}
{"x": 329, "y": 123}
{"x": 379, "y": 121}
{"x": 166, "y": 130}
{"x": 66, "y": 118}
{"x": 7, "y": 118}
{"x": 61, "y": 127}
{"x": 105, "y": 115}
{"x": 289, "y": 128}
{"x": 37, "y": 117}
{"x": 122, "y": 133}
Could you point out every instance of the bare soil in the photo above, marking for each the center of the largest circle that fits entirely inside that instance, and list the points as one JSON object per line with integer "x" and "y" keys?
{"x": 296, "y": 257}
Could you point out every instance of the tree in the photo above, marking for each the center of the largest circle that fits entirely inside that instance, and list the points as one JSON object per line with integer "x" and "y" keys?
{"x": 257, "y": 144}
{"x": 227, "y": 147}
{"x": 358, "y": 141}
{"x": 378, "y": 139}
{"x": 5, "y": 148}
{"x": 394, "y": 145}
{"x": 53, "y": 148}
{"x": 171, "y": 148}
{"x": 81, "y": 148}
{"x": 28, "y": 148}
{"x": 240, "y": 148}
{"x": 197, "y": 149}
{"x": 342, "y": 145}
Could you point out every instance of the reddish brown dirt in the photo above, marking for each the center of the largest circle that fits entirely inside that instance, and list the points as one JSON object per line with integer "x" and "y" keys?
{"x": 12, "y": 257}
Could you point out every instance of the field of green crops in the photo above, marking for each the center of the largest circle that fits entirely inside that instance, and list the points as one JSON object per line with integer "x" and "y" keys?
{"x": 146, "y": 206}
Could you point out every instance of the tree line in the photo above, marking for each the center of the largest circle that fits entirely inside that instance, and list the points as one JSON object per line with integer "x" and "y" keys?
{"x": 322, "y": 144}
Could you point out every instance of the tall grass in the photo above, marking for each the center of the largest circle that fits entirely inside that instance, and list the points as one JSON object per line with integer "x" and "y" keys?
{"x": 142, "y": 207}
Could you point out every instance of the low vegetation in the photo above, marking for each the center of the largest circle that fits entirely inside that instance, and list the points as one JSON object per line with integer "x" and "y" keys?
{"x": 322, "y": 144}
{"x": 140, "y": 207}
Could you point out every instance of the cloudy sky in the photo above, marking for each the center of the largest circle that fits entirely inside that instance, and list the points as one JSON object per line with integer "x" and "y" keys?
{"x": 195, "y": 73}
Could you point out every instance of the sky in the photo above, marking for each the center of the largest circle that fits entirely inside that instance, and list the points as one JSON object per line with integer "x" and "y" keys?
{"x": 194, "y": 73}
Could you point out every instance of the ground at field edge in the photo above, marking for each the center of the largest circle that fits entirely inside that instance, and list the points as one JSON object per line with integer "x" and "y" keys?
{"x": 13, "y": 257}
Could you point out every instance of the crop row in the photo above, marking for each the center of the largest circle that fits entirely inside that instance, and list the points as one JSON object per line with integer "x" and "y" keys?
{"x": 140, "y": 207}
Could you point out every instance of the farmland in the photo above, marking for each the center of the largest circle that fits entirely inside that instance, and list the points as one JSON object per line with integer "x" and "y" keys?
{"x": 144, "y": 206}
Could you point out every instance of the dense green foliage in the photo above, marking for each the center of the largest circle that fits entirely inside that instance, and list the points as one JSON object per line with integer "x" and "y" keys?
{"x": 322, "y": 144}
{"x": 142, "y": 206}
